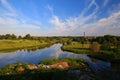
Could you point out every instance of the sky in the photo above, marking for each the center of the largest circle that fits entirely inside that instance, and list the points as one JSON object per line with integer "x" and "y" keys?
{"x": 60, "y": 17}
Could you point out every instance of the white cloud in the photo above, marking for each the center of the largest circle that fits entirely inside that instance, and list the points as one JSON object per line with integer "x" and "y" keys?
{"x": 13, "y": 22}
{"x": 69, "y": 26}
{"x": 114, "y": 8}
{"x": 74, "y": 22}
{"x": 104, "y": 26}
{"x": 7, "y": 5}
{"x": 13, "y": 26}
{"x": 8, "y": 21}
{"x": 77, "y": 25}
{"x": 10, "y": 11}
{"x": 50, "y": 8}
{"x": 59, "y": 25}
{"x": 102, "y": 20}
{"x": 92, "y": 3}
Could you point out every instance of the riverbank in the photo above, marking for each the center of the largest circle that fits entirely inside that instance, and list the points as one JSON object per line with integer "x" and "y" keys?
{"x": 12, "y": 45}
{"x": 112, "y": 55}
{"x": 77, "y": 48}
{"x": 52, "y": 69}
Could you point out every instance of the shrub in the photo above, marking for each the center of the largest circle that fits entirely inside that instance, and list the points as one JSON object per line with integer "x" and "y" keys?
{"x": 104, "y": 47}
{"x": 95, "y": 47}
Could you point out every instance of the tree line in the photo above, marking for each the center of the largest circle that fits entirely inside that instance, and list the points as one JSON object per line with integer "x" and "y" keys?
{"x": 107, "y": 40}
{"x": 13, "y": 36}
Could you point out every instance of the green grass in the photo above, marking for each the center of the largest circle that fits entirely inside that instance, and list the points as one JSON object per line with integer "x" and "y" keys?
{"x": 10, "y": 72}
{"x": 77, "y": 47}
{"x": 112, "y": 55}
{"x": 9, "y": 45}
{"x": 13, "y": 68}
{"x": 71, "y": 61}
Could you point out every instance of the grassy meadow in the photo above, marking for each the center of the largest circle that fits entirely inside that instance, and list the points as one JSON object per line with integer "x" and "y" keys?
{"x": 77, "y": 47}
{"x": 9, "y": 45}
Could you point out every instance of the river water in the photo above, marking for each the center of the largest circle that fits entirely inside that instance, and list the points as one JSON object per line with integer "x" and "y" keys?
{"x": 54, "y": 51}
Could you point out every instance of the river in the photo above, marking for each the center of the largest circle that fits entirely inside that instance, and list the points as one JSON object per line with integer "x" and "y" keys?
{"x": 54, "y": 51}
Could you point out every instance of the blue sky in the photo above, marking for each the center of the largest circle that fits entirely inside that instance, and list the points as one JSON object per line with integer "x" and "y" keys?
{"x": 60, "y": 17}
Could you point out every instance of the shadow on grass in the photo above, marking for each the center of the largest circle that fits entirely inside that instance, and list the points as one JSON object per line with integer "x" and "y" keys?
{"x": 59, "y": 74}
{"x": 55, "y": 74}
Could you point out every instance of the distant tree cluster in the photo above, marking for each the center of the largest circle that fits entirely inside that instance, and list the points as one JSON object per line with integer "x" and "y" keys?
{"x": 108, "y": 38}
{"x": 100, "y": 43}
{"x": 13, "y": 36}
{"x": 8, "y": 36}
{"x": 108, "y": 41}
{"x": 82, "y": 40}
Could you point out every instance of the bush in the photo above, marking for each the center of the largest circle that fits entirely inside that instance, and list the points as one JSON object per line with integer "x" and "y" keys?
{"x": 95, "y": 47}
{"x": 104, "y": 47}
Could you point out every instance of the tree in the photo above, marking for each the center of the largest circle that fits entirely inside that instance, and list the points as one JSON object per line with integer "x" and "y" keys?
{"x": 8, "y": 36}
{"x": 82, "y": 42}
{"x": 100, "y": 40}
{"x": 13, "y": 36}
{"x": 95, "y": 47}
{"x": 107, "y": 38}
{"x": 114, "y": 41}
{"x": 2, "y": 36}
{"x": 77, "y": 39}
{"x": 27, "y": 36}
{"x": 19, "y": 37}
{"x": 69, "y": 41}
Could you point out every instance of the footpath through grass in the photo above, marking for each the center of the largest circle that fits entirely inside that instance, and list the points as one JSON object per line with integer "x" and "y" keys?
{"x": 10, "y": 45}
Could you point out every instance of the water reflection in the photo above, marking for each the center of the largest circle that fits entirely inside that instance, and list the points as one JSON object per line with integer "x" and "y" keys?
{"x": 36, "y": 55}
{"x": 99, "y": 65}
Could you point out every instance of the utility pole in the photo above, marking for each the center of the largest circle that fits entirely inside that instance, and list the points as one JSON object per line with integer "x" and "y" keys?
{"x": 84, "y": 34}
